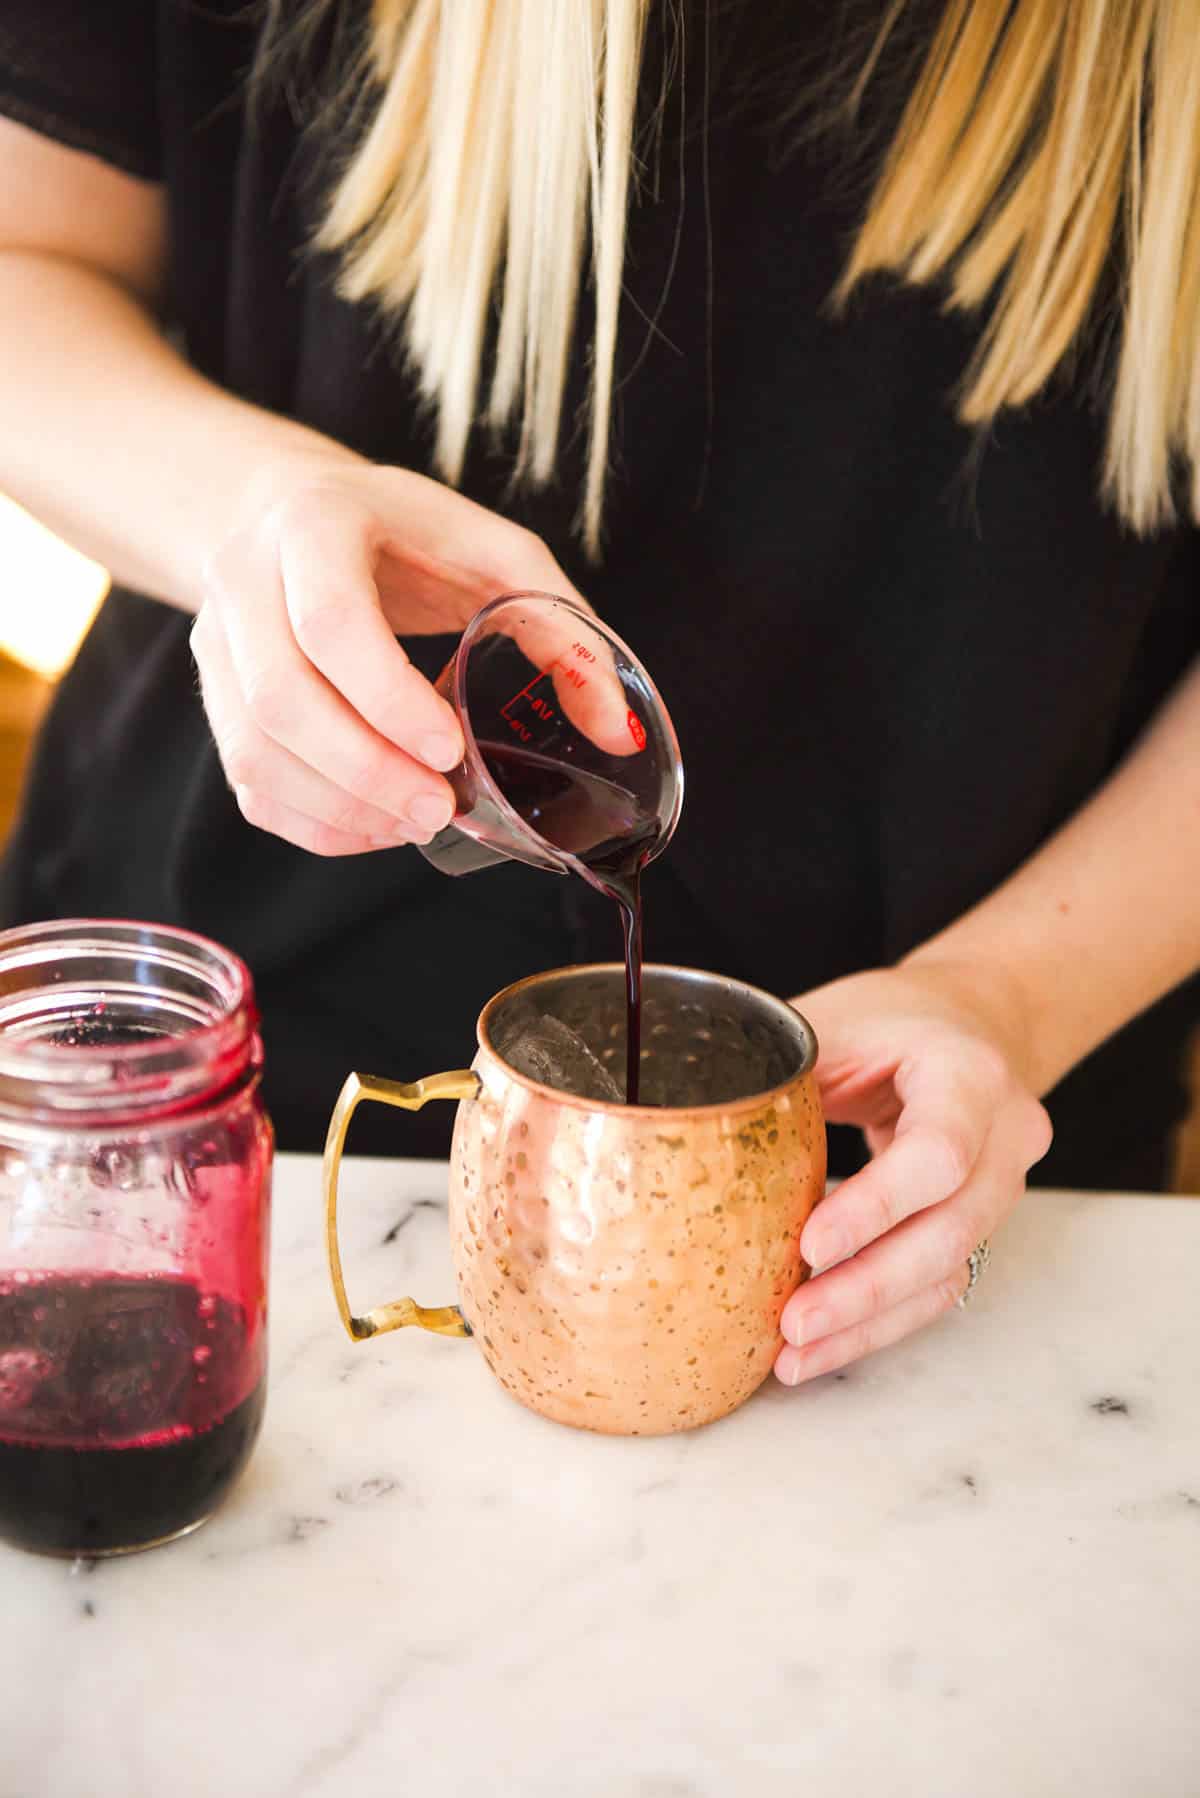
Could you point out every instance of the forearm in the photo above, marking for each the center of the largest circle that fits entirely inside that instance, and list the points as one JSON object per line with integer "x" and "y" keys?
{"x": 113, "y": 441}
{"x": 1104, "y": 919}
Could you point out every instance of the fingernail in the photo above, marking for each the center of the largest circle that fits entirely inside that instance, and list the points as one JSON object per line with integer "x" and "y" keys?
{"x": 430, "y": 811}
{"x": 402, "y": 836}
{"x": 807, "y": 1326}
{"x": 439, "y": 751}
{"x": 810, "y": 1246}
{"x": 788, "y": 1371}
{"x": 825, "y": 1248}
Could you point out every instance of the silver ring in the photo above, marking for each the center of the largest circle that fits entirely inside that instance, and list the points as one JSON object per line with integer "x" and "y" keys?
{"x": 977, "y": 1260}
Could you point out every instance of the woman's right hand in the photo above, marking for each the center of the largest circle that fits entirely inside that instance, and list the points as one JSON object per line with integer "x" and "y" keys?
{"x": 328, "y": 735}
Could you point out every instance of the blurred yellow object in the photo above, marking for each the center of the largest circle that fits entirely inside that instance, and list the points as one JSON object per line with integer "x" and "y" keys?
{"x": 49, "y": 593}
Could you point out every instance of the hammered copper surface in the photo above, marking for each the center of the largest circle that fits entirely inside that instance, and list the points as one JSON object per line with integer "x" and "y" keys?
{"x": 624, "y": 1269}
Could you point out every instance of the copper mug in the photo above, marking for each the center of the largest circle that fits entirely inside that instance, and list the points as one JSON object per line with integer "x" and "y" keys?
{"x": 623, "y": 1268}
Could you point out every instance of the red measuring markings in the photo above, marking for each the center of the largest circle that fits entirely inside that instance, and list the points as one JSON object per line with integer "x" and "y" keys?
{"x": 543, "y": 709}
{"x": 576, "y": 676}
{"x": 539, "y": 706}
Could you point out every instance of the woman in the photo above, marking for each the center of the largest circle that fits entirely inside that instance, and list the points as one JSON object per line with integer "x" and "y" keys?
{"x": 331, "y": 324}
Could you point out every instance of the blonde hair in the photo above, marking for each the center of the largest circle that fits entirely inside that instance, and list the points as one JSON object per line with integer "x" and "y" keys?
{"x": 1048, "y": 148}
{"x": 500, "y": 147}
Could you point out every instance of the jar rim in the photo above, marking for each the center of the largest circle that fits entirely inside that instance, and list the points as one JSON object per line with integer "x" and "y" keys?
{"x": 205, "y": 991}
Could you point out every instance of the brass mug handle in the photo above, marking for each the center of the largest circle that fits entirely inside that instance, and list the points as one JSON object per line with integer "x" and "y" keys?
{"x": 446, "y": 1320}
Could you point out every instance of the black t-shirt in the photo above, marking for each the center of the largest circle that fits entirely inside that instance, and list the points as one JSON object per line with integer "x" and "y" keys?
{"x": 896, "y": 661}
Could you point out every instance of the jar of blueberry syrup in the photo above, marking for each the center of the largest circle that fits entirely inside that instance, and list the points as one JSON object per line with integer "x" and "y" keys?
{"x": 135, "y": 1170}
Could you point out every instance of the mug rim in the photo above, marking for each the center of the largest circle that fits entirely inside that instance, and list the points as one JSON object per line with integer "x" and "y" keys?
{"x": 618, "y": 1107}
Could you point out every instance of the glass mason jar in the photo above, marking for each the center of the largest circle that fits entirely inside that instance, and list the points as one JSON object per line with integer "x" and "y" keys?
{"x": 135, "y": 1165}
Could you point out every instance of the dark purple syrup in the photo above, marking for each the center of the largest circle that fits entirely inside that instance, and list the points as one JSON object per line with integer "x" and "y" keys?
{"x": 612, "y": 837}
{"x": 128, "y": 1407}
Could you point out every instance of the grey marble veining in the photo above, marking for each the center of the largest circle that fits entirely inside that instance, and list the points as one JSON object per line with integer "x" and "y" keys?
{"x": 970, "y": 1566}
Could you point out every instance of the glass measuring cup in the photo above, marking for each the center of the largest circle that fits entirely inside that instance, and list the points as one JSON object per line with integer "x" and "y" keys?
{"x": 568, "y": 744}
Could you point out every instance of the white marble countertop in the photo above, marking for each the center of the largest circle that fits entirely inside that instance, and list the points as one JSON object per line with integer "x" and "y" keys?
{"x": 970, "y": 1566}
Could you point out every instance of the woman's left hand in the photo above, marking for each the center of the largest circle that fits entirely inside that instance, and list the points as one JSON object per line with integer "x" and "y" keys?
{"x": 928, "y": 1062}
